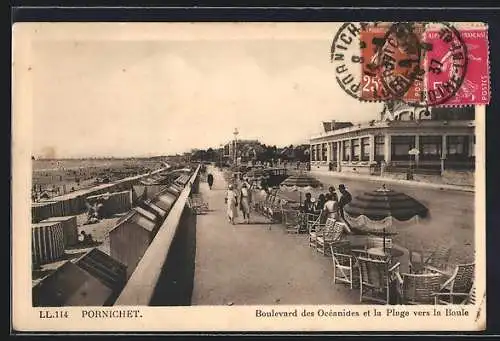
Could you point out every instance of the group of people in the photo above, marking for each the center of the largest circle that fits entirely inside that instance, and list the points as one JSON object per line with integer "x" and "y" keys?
{"x": 238, "y": 196}
{"x": 329, "y": 204}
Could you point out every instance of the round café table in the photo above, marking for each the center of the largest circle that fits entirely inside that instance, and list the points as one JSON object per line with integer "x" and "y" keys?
{"x": 378, "y": 251}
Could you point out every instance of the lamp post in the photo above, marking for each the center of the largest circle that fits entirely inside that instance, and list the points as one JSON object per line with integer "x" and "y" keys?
{"x": 221, "y": 153}
{"x": 235, "y": 133}
{"x": 414, "y": 152}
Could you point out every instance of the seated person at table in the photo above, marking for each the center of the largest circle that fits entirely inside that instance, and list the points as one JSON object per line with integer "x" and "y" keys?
{"x": 308, "y": 206}
{"x": 320, "y": 203}
{"x": 331, "y": 190}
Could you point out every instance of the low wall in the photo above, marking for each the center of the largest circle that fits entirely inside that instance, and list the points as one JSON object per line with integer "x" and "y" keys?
{"x": 356, "y": 169}
{"x": 460, "y": 178}
{"x": 350, "y": 168}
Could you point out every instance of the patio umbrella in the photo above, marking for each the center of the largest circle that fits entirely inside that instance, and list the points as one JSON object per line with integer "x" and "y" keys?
{"x": 383, "y": 210}
{"x": 300, "y": 182}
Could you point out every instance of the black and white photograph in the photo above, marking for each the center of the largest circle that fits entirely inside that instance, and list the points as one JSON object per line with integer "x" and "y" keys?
{"x": 291, "y": 176}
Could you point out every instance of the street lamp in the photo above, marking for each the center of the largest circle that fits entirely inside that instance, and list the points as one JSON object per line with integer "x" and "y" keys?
{"x": 221, "y": 153}
{"x": 414, "y": 152}
{"x": 235, "y": 133}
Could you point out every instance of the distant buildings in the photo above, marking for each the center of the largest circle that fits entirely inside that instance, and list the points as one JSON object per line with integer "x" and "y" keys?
{"x": 243, "y": 150}
{"x": 444, "y": 139}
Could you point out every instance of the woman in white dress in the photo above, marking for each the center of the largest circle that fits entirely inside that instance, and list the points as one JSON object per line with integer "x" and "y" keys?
{"x": 245, "y": 199}
{"x": 331, "y": 207}
{"x": 331, "y": 210}
{"x": 232, "y": 204}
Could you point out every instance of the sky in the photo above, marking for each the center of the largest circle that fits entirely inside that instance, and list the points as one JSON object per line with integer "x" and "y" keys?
{"x": 157, "y": 89}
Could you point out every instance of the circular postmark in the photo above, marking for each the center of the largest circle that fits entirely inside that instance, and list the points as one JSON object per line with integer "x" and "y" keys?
{"x": 346, "y": 56}
{"x": 399, "y": 59}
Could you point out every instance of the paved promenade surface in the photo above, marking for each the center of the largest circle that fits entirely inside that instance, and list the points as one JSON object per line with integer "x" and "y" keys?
{"x": 250, "y": 264}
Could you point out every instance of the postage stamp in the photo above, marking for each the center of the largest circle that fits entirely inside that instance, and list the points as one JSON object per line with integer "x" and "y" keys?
{"x": 422, "y": 64}
{"x": 393, "y": 61}
{"x": 372, "y": 39}
{"x": 445, "y": 64}
{"x": 464, "y": 61}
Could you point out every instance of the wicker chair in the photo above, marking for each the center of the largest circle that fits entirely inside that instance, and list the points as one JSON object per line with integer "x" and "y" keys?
{"x": 471, "y": 299}
{"x": 378, "y": 242}
{"x": 266, "y": 203}
{"x": 271, "y": 207}
{"x": 331, "y": 233}
{"x": 457, "y": 289}
{"x": 437, "y": 260}
{"x": 311, "y": 219}
{"x": 292, "y": 219}
{"x": 314, "y": 228}
{"x": 345, "y": 265}
{"x": 376, "y": 277}
{"x": 275, "y": 210}
{"x": 418, "y": 288}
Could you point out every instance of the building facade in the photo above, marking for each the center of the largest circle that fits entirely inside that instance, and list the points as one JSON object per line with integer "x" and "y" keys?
{"x": 440, "y": 139}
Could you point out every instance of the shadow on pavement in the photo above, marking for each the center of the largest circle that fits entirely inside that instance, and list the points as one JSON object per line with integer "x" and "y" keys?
{"x": 175, "y": 284}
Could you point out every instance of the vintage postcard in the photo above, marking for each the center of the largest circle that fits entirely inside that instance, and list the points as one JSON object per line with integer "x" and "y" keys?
{"x": 249, "y": 176}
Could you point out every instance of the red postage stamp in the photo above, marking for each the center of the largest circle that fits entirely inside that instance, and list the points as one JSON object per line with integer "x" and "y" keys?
{"x": 475, "y": 87}
{"x": 424, "y": 64}
{"x": 371, "y": 40}
{"x": 457, "y": 66}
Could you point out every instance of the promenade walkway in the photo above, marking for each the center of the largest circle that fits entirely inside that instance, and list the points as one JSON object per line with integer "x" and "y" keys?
{"x": 250, "y": 264}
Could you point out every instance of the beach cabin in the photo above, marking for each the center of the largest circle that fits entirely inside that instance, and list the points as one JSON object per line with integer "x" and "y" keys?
{"x": 148, "y": 189}
{"x": 113, "y": 203}
{"x": 166, "y": 200}
{"x": 95, "y": 279}
{"x": 70, "y": 228}
{"x": 154, "y": 209}
{"x": 47, "y": 242}
{"x": 182, "y": 180}
{"x": 176, "y": 188}
{"x": 131, "y": 237}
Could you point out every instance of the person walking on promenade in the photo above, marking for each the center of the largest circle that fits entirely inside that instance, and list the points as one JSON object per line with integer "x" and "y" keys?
{"x": 232, "y": 203}
{"x": 245, "y": 200}
{"x": 210, "y": 180}
{"x": 345, "y": 198}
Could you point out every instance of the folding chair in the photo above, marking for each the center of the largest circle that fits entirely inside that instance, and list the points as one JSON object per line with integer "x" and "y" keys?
{"x": 344, "y": 264}
{"x": 457, "y": 289}
{"x": 331, "y": 233}
{"x": 375, "y": 279}
{"x": 314, "y": 228}
{"x": 292, "y": 220}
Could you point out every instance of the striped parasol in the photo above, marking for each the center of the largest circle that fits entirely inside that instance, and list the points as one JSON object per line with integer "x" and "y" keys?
{"x": 383, "y": 211}
{"x": 301, "y": 183}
